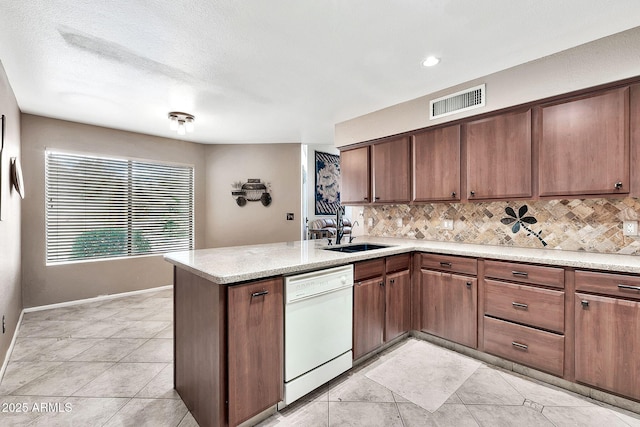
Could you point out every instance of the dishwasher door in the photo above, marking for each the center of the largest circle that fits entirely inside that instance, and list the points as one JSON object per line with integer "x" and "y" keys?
{"x": 318, "y": 319}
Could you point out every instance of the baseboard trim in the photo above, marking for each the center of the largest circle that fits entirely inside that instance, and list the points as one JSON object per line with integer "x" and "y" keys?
{"x": 10, "y": 349}
{"x": 95, "y": 299}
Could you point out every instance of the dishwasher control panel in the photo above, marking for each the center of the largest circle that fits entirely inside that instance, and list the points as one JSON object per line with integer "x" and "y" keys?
{"x": 307, "y": 285}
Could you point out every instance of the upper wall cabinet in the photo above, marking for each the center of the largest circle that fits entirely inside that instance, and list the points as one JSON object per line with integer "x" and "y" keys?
{"x": 584, "y": 145}
{"x": 354, "y": 170}
{"x": 391, "y": 174}
{"x": 498, "y": 151}
{"x": 436, "y": 165}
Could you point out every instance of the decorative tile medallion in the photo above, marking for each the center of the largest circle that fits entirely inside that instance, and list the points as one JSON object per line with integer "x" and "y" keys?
{"x": 590, "y": 225}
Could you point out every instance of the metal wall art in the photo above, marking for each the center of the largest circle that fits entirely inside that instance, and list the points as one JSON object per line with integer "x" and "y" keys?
{"x": 251, "y": 191}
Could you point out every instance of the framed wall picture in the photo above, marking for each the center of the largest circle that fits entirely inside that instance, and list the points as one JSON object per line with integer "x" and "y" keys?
{"x": 327, "y": 197}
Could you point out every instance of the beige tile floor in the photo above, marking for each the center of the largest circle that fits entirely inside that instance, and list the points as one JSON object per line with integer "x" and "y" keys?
{"x": 109, "y": 363}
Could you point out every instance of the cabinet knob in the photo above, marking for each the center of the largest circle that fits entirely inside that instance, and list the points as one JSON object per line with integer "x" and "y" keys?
{"x": 584, "y": 303}
{"x": 381, "y": 283}
{"x": 617, "y": 185}
{"x": 377, "y": 198}
{"x": 473, "y": 193}
{"x": 392, "y": 281}
{"x": 453, "y": 194}
{"x": 469, "y": 285}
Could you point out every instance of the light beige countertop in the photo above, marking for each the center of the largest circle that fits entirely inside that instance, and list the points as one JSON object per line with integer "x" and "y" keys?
{"x": 241, "y": 263}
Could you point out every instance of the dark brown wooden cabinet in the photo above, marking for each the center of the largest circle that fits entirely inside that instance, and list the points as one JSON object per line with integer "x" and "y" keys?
{"x": 499, "y": 156}
{"x": 397, "y": 298}
{"x": 368, "y": 315}
{"x": 436, "y": 165}
{"x": 256, "y": 325}
{"x": 355, "y": 176}
{"x": 381, "y": 302}
{"x": 228, "y": 347}
{"x": 449, "y": 306}
{"x": 584, "y": 145}
{"x": 391, "y": 171}
{"x": 607, "y": 343}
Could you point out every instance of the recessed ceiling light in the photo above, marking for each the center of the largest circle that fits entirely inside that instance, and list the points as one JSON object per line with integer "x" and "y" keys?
{"x": 430, "y": 61}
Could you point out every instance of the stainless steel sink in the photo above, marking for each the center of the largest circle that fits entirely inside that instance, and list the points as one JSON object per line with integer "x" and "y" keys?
{"x": 356, "y": 248}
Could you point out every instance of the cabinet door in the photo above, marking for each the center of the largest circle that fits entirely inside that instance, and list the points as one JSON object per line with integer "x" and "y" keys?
{"x": 607, "y": 332}
{"x": 436, "y": 165}
{"x": 398, "y": 304}
{"x": 354, "y": 172}
{"x": 255, "y": 339}
{"x": 449, "y": 306}
{"x": 584, "y": 145}
{"x": 391, "y": 175}
{"x": 499, "y": 156}
{"x": 368, "y": 316}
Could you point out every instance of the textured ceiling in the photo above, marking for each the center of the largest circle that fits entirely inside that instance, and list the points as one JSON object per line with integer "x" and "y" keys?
{"x": 271, "y": 71}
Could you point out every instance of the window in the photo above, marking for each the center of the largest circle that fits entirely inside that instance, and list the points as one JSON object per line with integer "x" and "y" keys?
{"x": 99, "y": 207}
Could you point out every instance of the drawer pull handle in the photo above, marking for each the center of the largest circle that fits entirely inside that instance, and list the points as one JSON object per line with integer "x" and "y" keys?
{"x": 520, "y": 273}
{"x": 445, "y": 264}
{"x": 633, "y": 288}
{"x": 392, "y": 281}
{"x": 259, "y": 294}
{"x": 519, "y": 346}
{"x": 381, "y": 283}
{"x": 519, "y": 305}
{"x": 584, "y": 303}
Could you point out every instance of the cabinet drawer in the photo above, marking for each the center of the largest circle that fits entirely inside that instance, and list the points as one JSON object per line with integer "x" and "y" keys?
{"x": 619, "y": 285}
{"x": 398, "y": 262}
{"x": 367, "y": 269}
{"x": 454, "y": 264}
{"x": 538, "y": 307}
{"x": 532, "y": 347}
{"x": 535, "y": 274}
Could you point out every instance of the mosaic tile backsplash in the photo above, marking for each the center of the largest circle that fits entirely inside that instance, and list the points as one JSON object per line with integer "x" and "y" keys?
{"x": 591, "y": 225}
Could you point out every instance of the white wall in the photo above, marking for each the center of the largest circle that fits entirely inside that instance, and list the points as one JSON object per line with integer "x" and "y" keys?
{"x": 602, "y": 61}
{"x": 231, "y": 225}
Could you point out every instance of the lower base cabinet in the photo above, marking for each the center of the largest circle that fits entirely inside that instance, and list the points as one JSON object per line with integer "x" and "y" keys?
{"x": 607, "y": 343}
{"x": 381, "y": 302}
{"x": 256, "y": 328}
{"x": 368, "y": 316}
{"x": 228, "y": 347}
{"x": 450, "y": 306}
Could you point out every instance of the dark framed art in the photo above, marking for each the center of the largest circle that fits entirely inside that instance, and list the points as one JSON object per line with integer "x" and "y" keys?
{"x": 327, "y": 190}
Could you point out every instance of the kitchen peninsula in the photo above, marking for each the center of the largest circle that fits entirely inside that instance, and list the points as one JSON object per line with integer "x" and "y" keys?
{"x": 228, "y": 361}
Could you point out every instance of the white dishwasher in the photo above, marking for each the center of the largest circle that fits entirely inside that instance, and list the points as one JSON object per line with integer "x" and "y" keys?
{"x": 318, "y": 315}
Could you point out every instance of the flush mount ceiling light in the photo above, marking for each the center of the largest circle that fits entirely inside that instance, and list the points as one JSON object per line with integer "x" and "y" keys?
{"x": 181, "y": 122}
{"x": 430, "y": 61}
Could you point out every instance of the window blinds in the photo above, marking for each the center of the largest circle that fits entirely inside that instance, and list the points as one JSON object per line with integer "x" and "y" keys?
{"x": 103, "y": 208}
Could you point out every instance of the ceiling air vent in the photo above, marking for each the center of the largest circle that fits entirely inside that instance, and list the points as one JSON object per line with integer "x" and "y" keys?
{"x": 467, "y": 99}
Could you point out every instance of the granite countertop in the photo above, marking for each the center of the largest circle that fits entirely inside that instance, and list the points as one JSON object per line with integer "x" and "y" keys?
{"x": 241, "y": 263}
